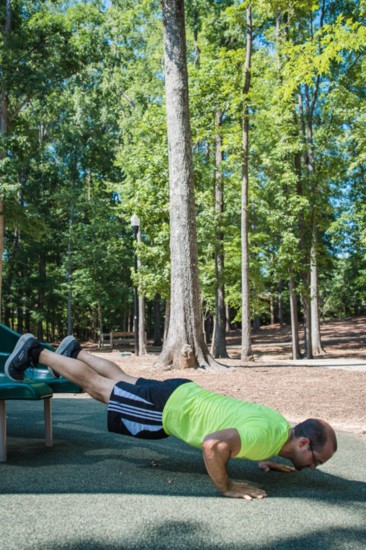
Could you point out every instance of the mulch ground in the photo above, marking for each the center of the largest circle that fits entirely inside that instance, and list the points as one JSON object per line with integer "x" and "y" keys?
{"x": 337, "y": 395}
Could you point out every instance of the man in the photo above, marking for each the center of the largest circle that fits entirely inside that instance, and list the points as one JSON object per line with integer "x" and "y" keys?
{"x": 149, "y": 409}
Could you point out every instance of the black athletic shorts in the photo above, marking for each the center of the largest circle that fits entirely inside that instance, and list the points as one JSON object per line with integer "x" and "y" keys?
{"x": 137, "y": 409}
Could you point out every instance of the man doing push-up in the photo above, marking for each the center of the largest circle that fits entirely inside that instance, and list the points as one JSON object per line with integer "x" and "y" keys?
{"x": 221, "y": 426}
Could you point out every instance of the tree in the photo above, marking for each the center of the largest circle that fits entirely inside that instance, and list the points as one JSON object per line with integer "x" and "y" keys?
{"x": 220, "y": 317}
{"x": 40, "y": 50}
{"x": 209, "y": 26}
{"x": 312, "y": 61}
{"x": 83, "y": 129}
{"x": 185, "y": 336}
{"x": 3, "y": 132}
{"x": 246, "y": 350}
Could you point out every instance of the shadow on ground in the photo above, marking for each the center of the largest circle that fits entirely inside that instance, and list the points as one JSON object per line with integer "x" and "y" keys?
{"x": 161, "y": 537}
{"x": 99, "y": 490}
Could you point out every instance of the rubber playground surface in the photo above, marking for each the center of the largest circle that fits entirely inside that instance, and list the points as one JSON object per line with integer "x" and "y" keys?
{"x": 99, "y": 490}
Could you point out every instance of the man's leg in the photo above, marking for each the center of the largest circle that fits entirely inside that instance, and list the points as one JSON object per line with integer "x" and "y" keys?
{"x": 105, "y": 368}
{"x": 29, "y": 351}
{"x": 97, "y": 386}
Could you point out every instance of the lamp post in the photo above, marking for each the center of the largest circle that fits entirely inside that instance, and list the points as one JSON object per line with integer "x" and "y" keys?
{"x": 135, "y": 224}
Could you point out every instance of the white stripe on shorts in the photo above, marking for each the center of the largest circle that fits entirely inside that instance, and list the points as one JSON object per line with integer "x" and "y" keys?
{"x": 134, "y": 411}
{"x": 135, "y": 427}
{"x": 128, "y": 395}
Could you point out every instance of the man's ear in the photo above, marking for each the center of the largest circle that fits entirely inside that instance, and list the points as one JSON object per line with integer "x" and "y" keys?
{"x": 303, "y": 441}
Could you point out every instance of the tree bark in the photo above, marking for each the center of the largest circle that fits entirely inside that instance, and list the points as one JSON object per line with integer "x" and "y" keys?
{"x": 280, "y": 304}
{"x": 314, "y": 345}
{"x": 185, "y": 326}
{"x": 307, "y": 318}
{"x": 167, "y": 318}
{"x": 246, "y": 347}
{"x": 219, "y": 342}
{"x": 304, "y": 244}
{"x": 227, "y": 315}
{"x": 294, "y": 321}
{"x": 317, "y": 348}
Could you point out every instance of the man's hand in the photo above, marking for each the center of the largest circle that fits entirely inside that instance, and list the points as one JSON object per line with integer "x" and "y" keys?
{"x": 245, "y": 491}
{"x": 266, "y": 466}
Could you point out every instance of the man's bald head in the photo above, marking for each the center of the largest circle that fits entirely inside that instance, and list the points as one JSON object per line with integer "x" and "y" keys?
{"x": 319, "y": 432}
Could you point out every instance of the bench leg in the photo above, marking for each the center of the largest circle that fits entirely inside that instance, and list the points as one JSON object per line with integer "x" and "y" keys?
{"x": 48, "y": 422}
{"x": 3, "y": 430}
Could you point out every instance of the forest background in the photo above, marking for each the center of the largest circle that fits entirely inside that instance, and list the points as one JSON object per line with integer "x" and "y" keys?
{"x": 84, "y": 147}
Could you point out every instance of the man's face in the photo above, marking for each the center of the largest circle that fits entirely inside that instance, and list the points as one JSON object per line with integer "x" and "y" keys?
{"x": 306, "y": 457}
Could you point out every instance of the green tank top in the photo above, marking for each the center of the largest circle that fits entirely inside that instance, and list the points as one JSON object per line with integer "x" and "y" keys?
{"x": 191, "y": 413}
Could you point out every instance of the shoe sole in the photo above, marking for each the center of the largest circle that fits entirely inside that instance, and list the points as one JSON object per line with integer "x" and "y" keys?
{"x": 62, "y": 347}
{"x": 64, "y": 344}
{"x": 15, "y": 352}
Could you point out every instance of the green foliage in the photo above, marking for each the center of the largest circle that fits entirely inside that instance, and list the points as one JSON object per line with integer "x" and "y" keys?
{"x": 86, "y": 147}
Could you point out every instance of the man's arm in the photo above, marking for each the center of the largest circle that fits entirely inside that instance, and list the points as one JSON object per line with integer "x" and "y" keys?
{"x": 218, "y": 448}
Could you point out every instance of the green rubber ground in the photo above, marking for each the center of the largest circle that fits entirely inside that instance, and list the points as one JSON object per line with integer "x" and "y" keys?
{"x": 95, "y": 490}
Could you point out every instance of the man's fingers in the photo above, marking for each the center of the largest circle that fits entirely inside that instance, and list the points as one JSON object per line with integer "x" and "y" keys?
{"x": 266, "y": 466}
{"x": 245, "y": 491}
{"x": 285, "y": 468}
{"x": 251, "y": 497}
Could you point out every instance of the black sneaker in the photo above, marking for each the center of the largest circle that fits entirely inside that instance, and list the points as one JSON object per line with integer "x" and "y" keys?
{"x": 20, "y": 359}
{"x": 69, "y": 347}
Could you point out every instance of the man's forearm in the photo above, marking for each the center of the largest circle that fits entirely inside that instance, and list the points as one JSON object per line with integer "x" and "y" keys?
{"x": 218, "y": 448}
{"x": 216, "y": 458}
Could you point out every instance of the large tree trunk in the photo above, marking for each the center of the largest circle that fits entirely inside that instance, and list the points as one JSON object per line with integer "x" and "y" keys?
{"x": 306, "y": 303}
{"x": 184, "y": 345}
{"x": 311, "y": 306}
{"x": 227, "y": 315}
{"x": 280, "y": 304}
{"x": 304, "y": 244}
{"x": 316, "y": 345}
{"x": 317, "y": 348}
{"x": 294, "y": 321}
{"x": 166, "y": 319}
{"x": 219, "y": 342}
{"x": 246, "y": 347}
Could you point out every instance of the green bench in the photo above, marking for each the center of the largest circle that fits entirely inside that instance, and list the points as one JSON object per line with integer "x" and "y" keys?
{"x": 10, "y": 390}
{"x": 38, "y": 385}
